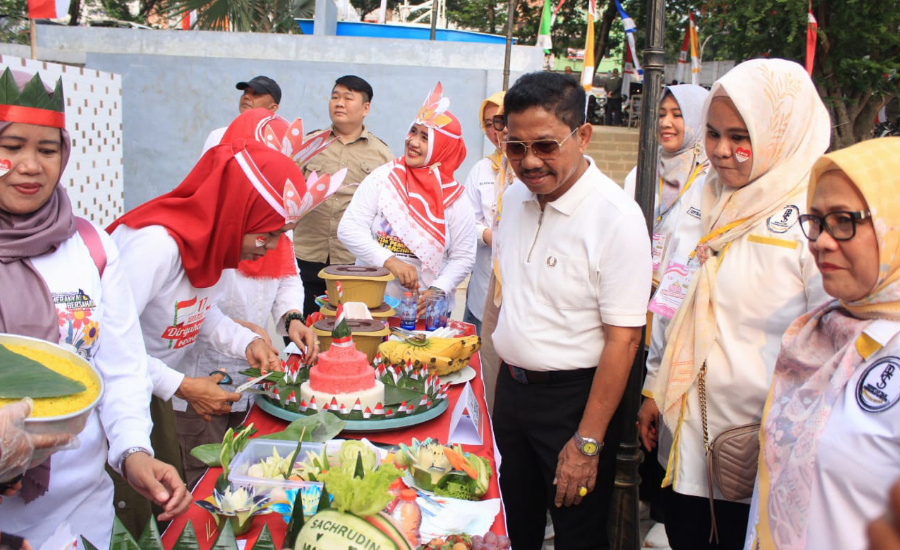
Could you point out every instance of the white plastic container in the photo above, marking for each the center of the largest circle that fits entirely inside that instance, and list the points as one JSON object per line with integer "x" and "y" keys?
{"x": 258, "y": 450}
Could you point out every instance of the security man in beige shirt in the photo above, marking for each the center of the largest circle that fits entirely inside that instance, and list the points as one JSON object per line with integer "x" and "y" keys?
{"x": 315, "y": 238}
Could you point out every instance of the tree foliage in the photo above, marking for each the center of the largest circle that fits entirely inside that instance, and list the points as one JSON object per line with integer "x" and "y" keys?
{"x": 365, "y": 6}
{"x": 479, "y": 15}
{"x": 269, "y": 16}
{"x": 857, "y": 51}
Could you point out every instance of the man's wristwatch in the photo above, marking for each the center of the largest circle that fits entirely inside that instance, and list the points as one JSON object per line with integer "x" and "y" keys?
{"x": 128, "y": 452}
{"x": 587, "y": 445}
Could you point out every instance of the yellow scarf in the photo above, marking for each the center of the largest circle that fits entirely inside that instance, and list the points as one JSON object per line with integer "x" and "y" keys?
{"x": 822, "y": 350}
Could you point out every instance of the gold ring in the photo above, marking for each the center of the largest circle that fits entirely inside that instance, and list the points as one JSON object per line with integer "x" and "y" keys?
{"x": 582, "y": 491}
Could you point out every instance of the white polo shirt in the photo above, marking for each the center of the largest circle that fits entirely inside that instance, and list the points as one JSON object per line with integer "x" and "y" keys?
{"x": 581, "y": 263}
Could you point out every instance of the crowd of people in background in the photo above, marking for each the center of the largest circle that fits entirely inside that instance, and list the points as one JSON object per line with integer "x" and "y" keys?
{"x": 768, "y": 286}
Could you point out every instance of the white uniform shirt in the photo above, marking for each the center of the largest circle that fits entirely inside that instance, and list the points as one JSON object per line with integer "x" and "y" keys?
{"x": 247, "y": 299}
{"x": 681, "y": 222}
{"x": 766, "y": 279}
{"x": 173, "y": 313}
{"x": 481, "y": 194}
{"x": 856, "y": 455}
{"x": 581, "y": 263}
{"x": 363, "y": 221}
{"x": 98, "y": 318}
{"x": 682, "y": 226}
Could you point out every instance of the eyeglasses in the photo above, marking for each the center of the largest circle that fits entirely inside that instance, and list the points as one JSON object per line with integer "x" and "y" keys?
{"x": 499, "y": 122}
{"x": 840, "y": 225}
{"x": 544, "y": 149}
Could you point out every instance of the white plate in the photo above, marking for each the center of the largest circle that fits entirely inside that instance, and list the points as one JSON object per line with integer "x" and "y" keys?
{"x": 461, "y": 376}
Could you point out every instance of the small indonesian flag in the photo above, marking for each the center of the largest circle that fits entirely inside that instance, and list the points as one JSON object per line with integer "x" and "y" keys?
{"x": 48, "y": 9}
{"x": 189, "y": 20}
{"x": 812, "y": 27}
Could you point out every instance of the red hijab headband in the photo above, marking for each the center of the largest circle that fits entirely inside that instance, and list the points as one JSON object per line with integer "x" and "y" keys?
{"x": 236, "y": 188}
{"x": 430, "y": 189}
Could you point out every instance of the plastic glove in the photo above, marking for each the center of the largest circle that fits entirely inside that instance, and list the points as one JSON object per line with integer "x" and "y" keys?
{"x": 17, "y": 446}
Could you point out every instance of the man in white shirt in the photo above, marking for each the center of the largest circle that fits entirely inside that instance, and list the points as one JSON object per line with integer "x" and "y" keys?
{"x": 575, "y": 265}
{"x": 259, "y": 92}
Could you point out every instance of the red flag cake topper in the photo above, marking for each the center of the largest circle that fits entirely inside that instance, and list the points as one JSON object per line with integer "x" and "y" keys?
{"x": 340, "y": 334}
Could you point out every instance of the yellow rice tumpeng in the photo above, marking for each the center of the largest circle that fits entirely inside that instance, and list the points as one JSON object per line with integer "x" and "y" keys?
{"x": 57, "y": 406}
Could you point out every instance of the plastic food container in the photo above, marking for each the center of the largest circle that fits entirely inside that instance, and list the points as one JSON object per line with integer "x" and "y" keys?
{"x": 359, "y": 283}
{"x": 71, "y": 423}
{"x": 258, "y": 450}
{"x": 381, "y": 312}
{"x": 366, "y": 334}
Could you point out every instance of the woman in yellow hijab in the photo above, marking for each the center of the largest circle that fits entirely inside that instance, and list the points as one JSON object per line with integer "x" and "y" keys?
{"x": 481, "y": 191}
{"x": 484, "y": 185}
{"x": 831, "y": 433}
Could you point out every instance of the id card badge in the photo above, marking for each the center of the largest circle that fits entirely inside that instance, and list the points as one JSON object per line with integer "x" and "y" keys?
{"x": 657, "y": 249}
{"x": 673, "y": 286}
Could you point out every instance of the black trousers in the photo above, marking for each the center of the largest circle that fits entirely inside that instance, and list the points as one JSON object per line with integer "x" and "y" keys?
{"x": 688, "y": 523}
{"x": 312, "y": 285}
{"x": 532, "y": 423}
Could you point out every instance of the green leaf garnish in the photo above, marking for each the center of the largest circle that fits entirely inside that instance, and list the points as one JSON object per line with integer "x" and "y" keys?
{"x": 22, "y": 376}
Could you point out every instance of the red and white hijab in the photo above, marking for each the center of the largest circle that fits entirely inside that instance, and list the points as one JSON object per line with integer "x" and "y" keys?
{"x": 418, "y": 197}
{"x": 266, "y": 127}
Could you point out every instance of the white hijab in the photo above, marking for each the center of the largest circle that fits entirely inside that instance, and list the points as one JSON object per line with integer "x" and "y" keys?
{"x": 675, "y": 168}
{"x": 789, "y": 129}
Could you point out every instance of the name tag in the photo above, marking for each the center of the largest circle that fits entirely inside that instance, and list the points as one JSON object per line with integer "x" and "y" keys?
{"x": 673, "y": 287}
{"x": 657, "y": 249}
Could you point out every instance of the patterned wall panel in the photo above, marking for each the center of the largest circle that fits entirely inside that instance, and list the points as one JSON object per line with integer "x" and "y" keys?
{"x": 94, "y": 175}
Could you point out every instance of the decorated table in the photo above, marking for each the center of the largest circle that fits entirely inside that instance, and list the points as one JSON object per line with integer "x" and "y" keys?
{"x": 439, "y": 428}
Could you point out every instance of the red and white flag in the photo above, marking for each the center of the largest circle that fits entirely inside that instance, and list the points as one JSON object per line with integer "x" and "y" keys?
{"x": 48, "y": 9}
{"x": 812, "y": 27}
{"x": 189, "y": 20}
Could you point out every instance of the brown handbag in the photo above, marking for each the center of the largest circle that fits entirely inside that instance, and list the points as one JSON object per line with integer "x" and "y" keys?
{"x": 732, "y": 459}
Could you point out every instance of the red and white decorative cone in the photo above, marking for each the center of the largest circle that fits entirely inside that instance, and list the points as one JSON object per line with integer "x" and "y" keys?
{"x": 340, "y": 334}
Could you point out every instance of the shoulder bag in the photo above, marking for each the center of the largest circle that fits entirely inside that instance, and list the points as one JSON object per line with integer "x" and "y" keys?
{"x": 732, "y": 459}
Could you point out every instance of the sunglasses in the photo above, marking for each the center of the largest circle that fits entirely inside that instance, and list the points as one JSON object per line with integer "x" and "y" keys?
{"x": 499, "y": 122}
{"x": 840, "y": 225}
{"x": 544, "y": 149}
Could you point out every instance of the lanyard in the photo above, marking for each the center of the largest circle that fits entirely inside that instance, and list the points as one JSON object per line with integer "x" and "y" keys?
{"x": 683, "y": 190}
{"x": 713, "y": 234}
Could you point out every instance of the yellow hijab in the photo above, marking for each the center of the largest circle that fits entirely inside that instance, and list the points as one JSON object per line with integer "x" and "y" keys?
{"x": 873, "y": 166}
{"x": 822, "y": 350}
{"x": 496, "y": 99}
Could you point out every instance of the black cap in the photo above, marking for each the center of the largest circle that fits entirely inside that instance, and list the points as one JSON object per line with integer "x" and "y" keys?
{"x": 262, "y": 85}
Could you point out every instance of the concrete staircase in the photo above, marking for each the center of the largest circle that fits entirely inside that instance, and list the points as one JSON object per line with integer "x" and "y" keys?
{"x": 614, "y": 150}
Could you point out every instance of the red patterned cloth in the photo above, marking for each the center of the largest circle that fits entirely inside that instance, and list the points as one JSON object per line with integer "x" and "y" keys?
{"x": 204, "y": 524}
